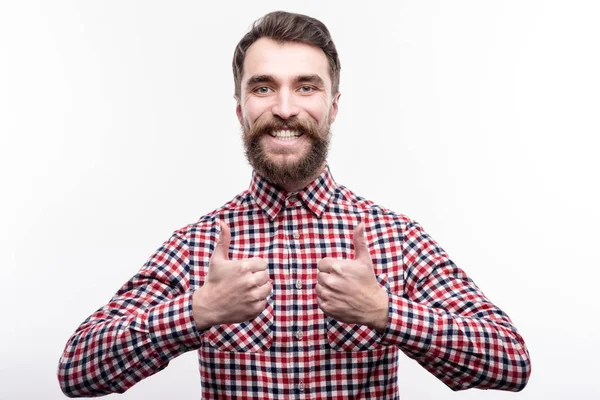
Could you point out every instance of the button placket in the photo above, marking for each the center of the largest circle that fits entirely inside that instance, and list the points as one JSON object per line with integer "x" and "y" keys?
{"x": 293, "y": 245}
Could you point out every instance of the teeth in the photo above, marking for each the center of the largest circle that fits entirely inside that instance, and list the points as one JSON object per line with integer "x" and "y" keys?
{"x": 285, "y": 134}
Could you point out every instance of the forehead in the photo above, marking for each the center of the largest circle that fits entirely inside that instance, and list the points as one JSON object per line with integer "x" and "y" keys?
{"x": 285, "y": 61}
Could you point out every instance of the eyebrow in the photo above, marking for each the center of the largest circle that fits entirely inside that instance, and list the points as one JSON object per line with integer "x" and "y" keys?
{"x": 258, "y": 79}
{"x": 314, "y": 79}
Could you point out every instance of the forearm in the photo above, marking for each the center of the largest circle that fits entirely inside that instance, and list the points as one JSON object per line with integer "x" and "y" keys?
{"x": 439, "y": 317}
{"x": 480, "y": 350}
{"x": 109, "y": 354}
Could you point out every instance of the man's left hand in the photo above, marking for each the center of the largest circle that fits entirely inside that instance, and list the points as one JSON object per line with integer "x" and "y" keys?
{"x": 348, "y": 291}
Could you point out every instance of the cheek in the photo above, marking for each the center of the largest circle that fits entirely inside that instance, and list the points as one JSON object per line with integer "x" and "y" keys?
{"x": 253, "y": 110}
{"x": 317, "y": 109}
{"x": 320, "y": 115}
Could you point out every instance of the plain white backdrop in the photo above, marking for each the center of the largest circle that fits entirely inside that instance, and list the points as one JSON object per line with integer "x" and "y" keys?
{"x": 479, "y": 119}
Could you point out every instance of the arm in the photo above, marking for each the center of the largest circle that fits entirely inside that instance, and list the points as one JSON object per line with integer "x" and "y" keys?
{"x": 145, "y": 325}
{"x": 446, "y": 323}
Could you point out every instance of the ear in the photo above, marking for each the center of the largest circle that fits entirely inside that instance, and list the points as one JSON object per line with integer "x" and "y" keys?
{"x": 334, "y": 107}
{"x": 238, "y": 110}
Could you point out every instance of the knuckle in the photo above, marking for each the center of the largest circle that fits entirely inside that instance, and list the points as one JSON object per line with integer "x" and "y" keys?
{"x": 324, "y": 262}
{"x": 242, "y": 267}
{"x": 263, "y": 276}
{"x": 252, "y": 281}
{"x": 258, "y": 262}
{"x": 259, "y": 306}
{"x": 321, "y": 293}
{"x": 260, "y": 294}
{"x": 338, "y": 267}
{"x": 327, "y": 282}
{"x": 267, "y": 291}
{"x": 323, "y": 305}
{"x": 255, "y": 295}
{"x": 260, "y": 278}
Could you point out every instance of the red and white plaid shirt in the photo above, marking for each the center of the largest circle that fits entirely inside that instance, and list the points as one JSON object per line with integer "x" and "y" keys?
{"x": 292, "y": 350}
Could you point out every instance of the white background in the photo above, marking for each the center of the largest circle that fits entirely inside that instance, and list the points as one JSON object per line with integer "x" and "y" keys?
{"x": 479, "y": 119}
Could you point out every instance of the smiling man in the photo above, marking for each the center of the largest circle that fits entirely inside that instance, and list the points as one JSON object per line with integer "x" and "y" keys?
{"x": 297, "y": 287}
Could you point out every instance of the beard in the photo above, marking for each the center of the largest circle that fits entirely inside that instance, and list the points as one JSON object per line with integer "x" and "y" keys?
{"x": 304, "y": 168}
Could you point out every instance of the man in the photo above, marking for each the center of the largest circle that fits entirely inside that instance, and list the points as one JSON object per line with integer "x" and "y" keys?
{"x": 297, "y": 287}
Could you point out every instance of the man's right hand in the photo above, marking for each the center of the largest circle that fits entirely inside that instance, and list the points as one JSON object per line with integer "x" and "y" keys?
{"x": 234, "y": 290}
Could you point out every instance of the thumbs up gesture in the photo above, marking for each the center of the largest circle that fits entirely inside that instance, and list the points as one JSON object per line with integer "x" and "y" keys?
{"x": 234, "y": 290}
{"x": 348, "y": 291}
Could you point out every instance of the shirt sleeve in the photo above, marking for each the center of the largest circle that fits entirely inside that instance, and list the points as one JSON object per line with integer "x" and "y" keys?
{"x": 447, "y": 324}
{"x": 146, "y": 324}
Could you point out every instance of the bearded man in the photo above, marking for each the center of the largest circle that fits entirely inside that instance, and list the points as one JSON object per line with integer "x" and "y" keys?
{"x": 297, "y": 287}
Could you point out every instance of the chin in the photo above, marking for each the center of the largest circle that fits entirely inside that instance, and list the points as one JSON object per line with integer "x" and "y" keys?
{"x": 286, "y": 160}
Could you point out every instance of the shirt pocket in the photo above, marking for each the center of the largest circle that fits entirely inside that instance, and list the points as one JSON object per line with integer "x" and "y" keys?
{"x": 254, "y": 336}
{"x": 353, "y": 337}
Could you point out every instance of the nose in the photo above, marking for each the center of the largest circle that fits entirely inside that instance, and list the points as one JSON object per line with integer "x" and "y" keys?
{"x": 285, "y": 106}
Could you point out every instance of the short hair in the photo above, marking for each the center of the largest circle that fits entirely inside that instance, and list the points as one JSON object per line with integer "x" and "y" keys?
{"x": 282, "y": 27}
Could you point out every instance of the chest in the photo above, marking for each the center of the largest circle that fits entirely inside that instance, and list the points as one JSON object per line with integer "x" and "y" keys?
{"x": 293, "y": 243}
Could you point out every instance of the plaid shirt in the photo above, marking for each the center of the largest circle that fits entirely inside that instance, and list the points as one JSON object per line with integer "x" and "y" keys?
{"x": 437, "y": 315}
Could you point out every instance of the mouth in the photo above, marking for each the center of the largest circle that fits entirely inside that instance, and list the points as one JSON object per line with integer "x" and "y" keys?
{"x": 285, "y": 134}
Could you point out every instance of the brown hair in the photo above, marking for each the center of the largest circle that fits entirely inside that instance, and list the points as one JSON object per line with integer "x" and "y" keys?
{"x": 284, "y": 27}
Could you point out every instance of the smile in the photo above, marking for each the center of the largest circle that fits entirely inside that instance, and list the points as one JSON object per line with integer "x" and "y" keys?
{"x": 285, "y": 134}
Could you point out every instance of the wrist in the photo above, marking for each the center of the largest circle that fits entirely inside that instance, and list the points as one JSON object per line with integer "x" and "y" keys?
{"x": 379, "y": 319}
{"x": 203, "y": 316}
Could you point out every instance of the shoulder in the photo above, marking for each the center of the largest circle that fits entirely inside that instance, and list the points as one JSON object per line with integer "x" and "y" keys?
{"x": 207, "y": 225}
{"x": 347, "y": 199}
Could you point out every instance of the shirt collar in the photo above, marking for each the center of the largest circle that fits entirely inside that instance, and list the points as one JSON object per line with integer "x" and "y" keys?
{"x": 315, "y": 196}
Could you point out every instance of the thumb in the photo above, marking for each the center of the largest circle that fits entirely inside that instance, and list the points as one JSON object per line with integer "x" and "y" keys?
{"x": 222, "y": 249}
{"x": 361, "y": 249}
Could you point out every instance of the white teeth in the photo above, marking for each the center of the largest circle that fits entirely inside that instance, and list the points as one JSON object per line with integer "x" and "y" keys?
{"x": 285, "y": 134}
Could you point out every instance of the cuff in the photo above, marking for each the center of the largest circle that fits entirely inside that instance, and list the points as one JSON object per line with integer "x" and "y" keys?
{"x": 410, "y": 326}
{"x": 172, "y": 328}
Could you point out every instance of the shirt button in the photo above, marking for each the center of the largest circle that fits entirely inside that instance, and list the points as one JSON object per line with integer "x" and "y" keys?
{"x": 298, "y": 284}
{"x": 299, "y": 334}
{"x": 301, "y": 386}
{"x": 293, "y": 199}
{"x": 296, "y": 235}
{"x": 286, "y": 246}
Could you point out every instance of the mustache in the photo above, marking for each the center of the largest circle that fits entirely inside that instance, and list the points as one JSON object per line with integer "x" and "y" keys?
{"x": 267, "y": 126}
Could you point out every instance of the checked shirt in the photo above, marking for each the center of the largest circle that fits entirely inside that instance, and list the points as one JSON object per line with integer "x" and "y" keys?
{"x": 437, "y": 315}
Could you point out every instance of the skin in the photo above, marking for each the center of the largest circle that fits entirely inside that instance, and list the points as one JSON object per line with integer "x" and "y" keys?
{"x": 289, "y": 80}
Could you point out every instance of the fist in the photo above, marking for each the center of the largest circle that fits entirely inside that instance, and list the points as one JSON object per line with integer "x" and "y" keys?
{"x": 348, "y": 291}
{"x": 234, "y": 290}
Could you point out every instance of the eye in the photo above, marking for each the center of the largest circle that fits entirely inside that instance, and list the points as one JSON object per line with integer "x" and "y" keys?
{"x": 262, "y": 90}
{"x": 306, "y": 89}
